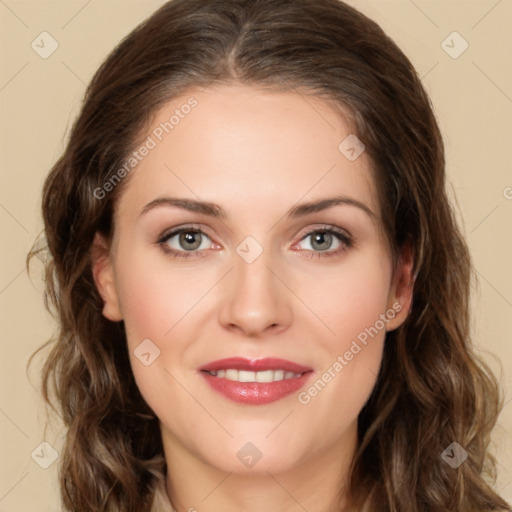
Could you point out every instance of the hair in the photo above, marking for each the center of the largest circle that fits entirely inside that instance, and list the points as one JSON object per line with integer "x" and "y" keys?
{"x": 432, "y": 390}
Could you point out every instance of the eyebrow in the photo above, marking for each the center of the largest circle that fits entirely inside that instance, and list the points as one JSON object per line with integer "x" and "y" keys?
{"x": 215, "y": 210}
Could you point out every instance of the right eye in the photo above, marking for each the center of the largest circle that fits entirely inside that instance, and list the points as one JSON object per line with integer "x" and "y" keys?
{"x": 185, "y": 242}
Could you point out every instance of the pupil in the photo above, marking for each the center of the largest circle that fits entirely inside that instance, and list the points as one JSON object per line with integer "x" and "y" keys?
{"x": 323, "y": 238}
{"x": 188, "y": 237}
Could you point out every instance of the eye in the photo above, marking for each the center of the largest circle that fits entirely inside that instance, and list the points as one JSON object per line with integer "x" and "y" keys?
{"x": 322, "y": 240}
{"x": 185, "y": 242}
{"x": 190, "y": 241}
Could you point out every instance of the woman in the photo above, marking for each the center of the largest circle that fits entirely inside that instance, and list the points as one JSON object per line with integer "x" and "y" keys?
{"x": 309, "y": 350}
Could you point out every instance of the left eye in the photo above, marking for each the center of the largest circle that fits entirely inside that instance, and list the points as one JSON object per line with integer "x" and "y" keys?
{"x": 323, "y": 239}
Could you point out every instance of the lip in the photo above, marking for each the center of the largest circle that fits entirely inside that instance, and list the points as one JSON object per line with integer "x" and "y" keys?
{"x": 255, "y": 393}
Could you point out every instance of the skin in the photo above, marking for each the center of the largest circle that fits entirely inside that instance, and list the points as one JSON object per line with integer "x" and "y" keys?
{"x": 256, "y": 154}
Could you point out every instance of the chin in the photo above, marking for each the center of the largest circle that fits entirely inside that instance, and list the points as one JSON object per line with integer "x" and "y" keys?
{"x": 259, "y": 457}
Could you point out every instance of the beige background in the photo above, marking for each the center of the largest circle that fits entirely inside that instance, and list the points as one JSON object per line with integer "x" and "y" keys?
{"x": 39, "y": 98}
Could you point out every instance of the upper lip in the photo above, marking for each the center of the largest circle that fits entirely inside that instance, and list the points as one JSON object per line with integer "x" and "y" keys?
{"x": 255, "y": 365}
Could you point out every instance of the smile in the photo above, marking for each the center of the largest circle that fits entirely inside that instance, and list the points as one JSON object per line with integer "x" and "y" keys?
{"x": 255, "y": 381}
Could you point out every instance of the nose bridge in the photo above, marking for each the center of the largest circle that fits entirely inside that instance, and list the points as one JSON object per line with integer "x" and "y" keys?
{"x": 255, "y": 299}
{"x": 252, "y": 273}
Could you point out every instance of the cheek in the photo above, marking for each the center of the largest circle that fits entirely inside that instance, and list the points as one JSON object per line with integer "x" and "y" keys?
{"x": 156, "y": 297}
{"x": 349, "y": 298}
{"x": 154, "y": 302}
{"x": 354, "y": 309}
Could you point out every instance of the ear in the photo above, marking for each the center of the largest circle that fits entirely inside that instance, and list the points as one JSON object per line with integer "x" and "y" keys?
{"x": 103, "y": 274}
{"x": 401, "y": 291}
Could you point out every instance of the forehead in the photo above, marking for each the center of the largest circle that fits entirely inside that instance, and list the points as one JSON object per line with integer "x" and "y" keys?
{"x": 247, "y": 148}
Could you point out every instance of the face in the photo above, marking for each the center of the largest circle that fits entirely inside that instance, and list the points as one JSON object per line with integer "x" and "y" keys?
{"x": 250, "y": 317}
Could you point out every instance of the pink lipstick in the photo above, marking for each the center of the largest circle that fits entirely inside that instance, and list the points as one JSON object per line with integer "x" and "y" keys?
{"x": 255, "y": 381}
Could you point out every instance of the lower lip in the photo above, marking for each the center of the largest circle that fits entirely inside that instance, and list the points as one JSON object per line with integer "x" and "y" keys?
{"x": 255, "y": 393}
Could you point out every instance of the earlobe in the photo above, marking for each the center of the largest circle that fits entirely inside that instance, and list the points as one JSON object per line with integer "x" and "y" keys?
{"x": 401, "y": 293}
{"x": 103, "y": 274}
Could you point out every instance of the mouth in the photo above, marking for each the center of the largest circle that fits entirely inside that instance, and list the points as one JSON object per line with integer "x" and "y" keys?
{"x": 255, "y": 381}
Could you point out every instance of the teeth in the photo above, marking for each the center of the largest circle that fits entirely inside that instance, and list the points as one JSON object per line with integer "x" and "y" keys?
{"x": 278, "y": 374}
{"x": 231, "y": 374}
{"x": 244, "y": 376}
{"x": 247, "y": 376}
{"x": 267, "y": 376}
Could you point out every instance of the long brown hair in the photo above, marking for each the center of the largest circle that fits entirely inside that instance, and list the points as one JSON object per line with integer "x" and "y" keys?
{"x": 432, "y": 389}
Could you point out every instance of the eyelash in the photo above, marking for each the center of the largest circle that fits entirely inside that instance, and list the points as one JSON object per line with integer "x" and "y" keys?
{"x": 342, "y": 236}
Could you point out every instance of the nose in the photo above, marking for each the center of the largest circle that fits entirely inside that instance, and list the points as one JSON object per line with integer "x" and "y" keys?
{"x": 254, "y": 300}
